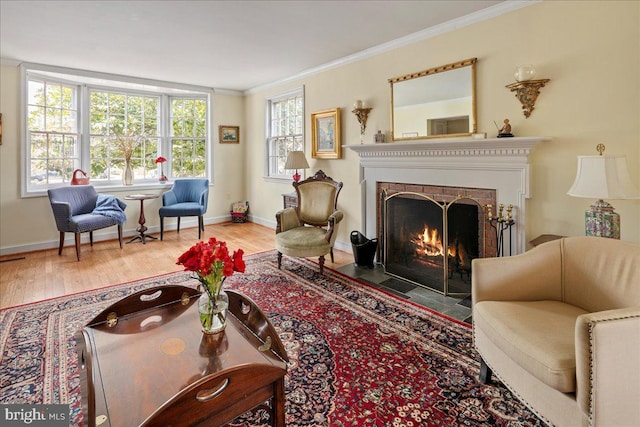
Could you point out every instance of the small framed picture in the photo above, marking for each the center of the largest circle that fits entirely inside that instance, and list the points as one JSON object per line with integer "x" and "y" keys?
{"x": 229, "y": 134}
{"x": 325, "y": 134}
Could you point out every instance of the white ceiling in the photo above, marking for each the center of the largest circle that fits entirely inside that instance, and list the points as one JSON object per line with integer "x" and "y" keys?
{"x": 236, "y": 45}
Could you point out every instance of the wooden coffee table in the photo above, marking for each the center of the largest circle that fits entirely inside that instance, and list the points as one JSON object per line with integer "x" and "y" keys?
{"x": 144, "y": 361}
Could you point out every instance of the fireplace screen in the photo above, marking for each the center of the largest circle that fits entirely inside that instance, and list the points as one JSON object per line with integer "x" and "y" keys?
{"x": 431, "y": 243}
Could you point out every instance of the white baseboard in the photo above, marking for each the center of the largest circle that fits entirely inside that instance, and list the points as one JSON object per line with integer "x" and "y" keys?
{"x": 111, "y": 233}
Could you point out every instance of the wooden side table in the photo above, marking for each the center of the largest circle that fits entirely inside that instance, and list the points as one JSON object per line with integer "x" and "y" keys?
{"x": 290, "y": 200}
{"x": 141, "y": 228}
{"x": 145, "y": 362}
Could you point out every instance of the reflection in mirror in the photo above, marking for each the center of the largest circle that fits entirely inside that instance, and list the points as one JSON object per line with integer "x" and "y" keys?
{"x": 435, "y": 103}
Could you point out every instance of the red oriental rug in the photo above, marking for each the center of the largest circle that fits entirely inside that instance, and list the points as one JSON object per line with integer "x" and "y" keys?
{"x": 359, "y": 357}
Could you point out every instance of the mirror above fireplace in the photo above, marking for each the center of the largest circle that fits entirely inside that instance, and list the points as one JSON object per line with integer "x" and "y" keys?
{"x": 436, "y": 103}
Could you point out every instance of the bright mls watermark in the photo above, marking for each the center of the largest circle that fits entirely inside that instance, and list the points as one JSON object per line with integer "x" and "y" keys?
{"x": 34, "y": 415}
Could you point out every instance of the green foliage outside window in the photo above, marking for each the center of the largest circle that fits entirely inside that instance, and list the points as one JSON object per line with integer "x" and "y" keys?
{"x": 188, "y": 143}
{"x": 56, "y": 146}
{"x": 123, "y": 127}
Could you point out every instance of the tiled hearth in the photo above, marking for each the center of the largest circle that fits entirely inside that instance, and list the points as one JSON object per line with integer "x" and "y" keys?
{"x": 450, "y": 306}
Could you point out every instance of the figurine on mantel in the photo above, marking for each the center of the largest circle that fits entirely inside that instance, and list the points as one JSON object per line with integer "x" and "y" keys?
{"x": 504, "y": 131}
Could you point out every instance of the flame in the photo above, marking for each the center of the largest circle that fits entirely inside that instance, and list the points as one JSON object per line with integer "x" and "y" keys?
{"x": 429, "y": 243}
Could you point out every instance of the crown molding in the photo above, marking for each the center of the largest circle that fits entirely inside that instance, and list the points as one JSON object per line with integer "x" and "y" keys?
{"x": 9, "y": 62}
{"x": 473, "y": 18}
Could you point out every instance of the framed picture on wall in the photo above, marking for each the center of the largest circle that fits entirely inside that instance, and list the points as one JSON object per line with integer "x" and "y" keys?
{"x": 229, "y": 134}
{"x": 325, "y": 134}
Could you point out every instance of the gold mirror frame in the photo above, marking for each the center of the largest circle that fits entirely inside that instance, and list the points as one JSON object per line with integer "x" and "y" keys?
{"x": 425, "y": 76}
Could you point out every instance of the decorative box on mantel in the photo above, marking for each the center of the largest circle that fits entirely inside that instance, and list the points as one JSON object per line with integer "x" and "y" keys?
{"x": 501, "y": 164}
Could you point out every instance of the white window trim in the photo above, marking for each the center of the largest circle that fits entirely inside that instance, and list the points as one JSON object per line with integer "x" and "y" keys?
{"x": 113, "y": 82}
{"x": 267, "y": 129}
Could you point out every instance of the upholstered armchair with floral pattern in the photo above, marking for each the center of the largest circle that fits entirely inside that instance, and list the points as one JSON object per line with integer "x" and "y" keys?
{"x": 310, "y": 230}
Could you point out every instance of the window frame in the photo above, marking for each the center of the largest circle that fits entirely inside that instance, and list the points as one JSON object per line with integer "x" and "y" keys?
{"x": 84, "y": 82}
{"x": 293, "y": 93}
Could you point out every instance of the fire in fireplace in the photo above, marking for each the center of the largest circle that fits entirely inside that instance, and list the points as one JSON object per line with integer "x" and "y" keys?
{"x": 431, "y": 243}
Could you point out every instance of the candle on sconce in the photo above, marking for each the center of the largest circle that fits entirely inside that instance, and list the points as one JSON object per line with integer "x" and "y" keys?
{"x": 358, "y": 104}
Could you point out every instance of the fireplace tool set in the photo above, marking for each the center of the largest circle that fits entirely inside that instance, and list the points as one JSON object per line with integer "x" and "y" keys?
{"x": 500, "y": 224}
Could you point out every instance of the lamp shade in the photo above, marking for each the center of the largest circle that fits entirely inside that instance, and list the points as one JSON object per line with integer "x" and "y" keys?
{"x": 603, "y": 177}
{"x": 296, "y": 160}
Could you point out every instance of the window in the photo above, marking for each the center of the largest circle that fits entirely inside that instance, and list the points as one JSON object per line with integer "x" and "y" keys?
{"x": 285, "y": 131}
{"x": 52, "y": 121}
{"x": 188, "y": 141}
{"x": 75, "y": 120}
{"x": 117, "y": 120}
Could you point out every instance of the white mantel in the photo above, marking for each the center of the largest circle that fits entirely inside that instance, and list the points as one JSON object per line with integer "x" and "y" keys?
{"x": 494, "y": 163}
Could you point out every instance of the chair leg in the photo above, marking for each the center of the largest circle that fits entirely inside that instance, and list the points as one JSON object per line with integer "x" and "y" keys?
{"x": 321, "y": 260}
{"x": 78, "y": 246}
{"x": 279, "y": 260}
{"x": 331, "y": 252}
{"x": 120, "y": 234}
{"x": 61, "y": 243}
{"x": 161, "y": 227}
{"x": 178, "y": 224}
{"x": 200, "y": 226}
{"x": 91, "y": 238}
{"x": 485, "y": 372}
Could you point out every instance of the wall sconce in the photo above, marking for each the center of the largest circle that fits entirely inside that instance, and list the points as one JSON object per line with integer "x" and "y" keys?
{"x": 296, "y": 160}
{"x": 362, "y": 113}
{"x": 527, "y": 89}
{"x": 603, "y": 177}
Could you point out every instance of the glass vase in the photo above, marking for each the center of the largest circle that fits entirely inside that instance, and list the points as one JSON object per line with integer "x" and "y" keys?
{"x": 213, "y": 314}
{"x": 127, "y": 175}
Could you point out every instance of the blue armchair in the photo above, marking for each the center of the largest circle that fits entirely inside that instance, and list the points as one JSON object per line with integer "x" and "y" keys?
{"x": 75, "y": 209}
{"x": 187, "y": 197}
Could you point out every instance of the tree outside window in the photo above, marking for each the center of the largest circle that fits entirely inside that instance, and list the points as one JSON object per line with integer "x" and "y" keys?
{"x": 188, "y": 141}
{"x": 285, "y": 116}
{"x": 122, "y": 120}
{"x": 52, "y": 128}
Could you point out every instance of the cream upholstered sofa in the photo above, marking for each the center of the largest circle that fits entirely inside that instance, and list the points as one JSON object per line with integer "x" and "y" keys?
{"x": 560, "y": 326}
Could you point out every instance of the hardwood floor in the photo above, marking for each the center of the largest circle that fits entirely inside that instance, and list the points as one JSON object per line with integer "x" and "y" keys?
{"x": 35, "y": 276}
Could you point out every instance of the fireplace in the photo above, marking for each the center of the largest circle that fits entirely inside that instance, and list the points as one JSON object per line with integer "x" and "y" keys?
{"x": 430, "y": 234}
{"x": 458, "y": 165}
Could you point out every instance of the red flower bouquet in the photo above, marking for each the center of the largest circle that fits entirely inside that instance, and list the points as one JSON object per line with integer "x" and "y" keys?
{"x": 212, "y": 263}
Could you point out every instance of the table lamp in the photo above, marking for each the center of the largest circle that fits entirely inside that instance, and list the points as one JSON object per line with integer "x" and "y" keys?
{"x": 603, "y": 177}
{"x": 296, "y": 160}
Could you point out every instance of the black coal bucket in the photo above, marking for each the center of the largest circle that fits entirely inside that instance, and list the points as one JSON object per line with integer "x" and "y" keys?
{"x": 364, "y": 250}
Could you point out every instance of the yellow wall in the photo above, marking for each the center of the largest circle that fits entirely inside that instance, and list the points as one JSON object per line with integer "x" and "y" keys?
{"x": 589, "y": 49}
